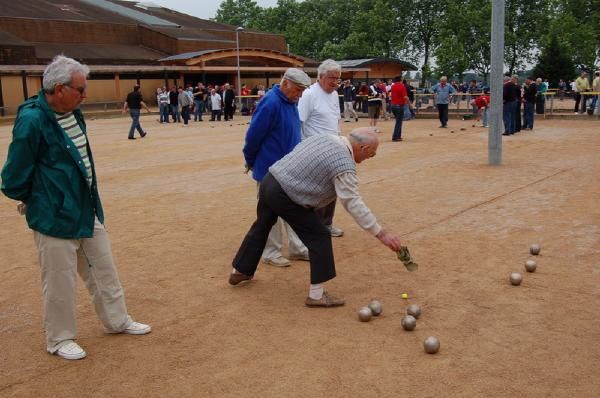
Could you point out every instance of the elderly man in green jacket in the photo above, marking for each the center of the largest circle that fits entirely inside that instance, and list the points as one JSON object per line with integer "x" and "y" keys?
{"x": 50, "y": 170}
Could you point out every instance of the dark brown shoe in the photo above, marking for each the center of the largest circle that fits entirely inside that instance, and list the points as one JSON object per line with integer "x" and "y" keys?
{"x": 325, "y": 301}
{"x": 235, "y": 279}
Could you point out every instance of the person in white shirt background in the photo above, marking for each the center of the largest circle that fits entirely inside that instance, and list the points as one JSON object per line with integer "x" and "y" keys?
{"x": 319, "y": 110}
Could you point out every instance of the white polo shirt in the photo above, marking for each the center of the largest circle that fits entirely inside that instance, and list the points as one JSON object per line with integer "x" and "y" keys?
{"x": 319, "y": 111}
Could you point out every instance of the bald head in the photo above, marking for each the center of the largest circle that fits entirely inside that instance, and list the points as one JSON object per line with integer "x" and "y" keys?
{"x": 364, "y": 141}
{"x": 364, "y": 135}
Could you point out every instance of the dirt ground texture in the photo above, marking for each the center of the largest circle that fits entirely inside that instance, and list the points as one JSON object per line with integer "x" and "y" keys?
{"x": 177, "y": 206}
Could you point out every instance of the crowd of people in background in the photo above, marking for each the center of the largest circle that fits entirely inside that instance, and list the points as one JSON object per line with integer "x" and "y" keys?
{"x": 181, "y": 103}
{"x": 380, "y": 99}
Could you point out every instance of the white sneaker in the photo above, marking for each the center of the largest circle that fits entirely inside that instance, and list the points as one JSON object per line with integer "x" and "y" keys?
{"x": 137, "y": 328}
{"x": 71, "y": 350}
{"x": 335, "y": 231}
{"x": 300, "y": 257}
{"x": 277, "y": 261}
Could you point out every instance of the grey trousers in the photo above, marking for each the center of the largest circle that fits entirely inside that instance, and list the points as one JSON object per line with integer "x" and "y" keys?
{"x": 60, "y": 261}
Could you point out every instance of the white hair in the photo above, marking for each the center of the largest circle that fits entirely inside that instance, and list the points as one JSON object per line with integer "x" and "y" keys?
{"x": 326, "y": 66}
{"x": 367, "y": 136}
{"x": 61, "y": 71}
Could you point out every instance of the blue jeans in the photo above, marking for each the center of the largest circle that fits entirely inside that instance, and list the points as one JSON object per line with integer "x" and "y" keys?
{"x": 528, "y": 115}
{"x": 485, "y": 117}
{"x": 198, "y": 110}
{"x": 594, "y": 100}
{"x": 164, "y": 113}
{"x": 175, "y": 113}
{"x": 508, "y": 115}
{"x": 443, "y": 113}
{"x": 135, "y": 123}
{"x": 398, "y": 111}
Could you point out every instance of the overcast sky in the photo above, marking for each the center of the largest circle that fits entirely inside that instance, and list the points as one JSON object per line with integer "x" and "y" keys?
{"x": 204, "y": 9}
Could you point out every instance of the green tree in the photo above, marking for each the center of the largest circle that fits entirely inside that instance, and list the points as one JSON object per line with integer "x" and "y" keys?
{"x": 424, "y": 18}
{"x": 554, "y": 63}
{"x": 525, "y": 23}
{"x": 377, "y": 29}
{"x": 576, "y": 25}
{"x": 464, "y": 38}
{"x": 238, "y": 12}
{"x": 278, "y": 19}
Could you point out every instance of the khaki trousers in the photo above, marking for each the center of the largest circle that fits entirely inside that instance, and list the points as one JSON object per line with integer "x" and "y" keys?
{"x": 275, "y": 240}
{"x": 60, "y": 260}
{"x": 348, "y": 109}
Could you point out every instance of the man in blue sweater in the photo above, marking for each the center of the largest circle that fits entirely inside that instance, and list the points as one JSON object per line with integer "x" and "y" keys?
{"x": 273, "y": 133}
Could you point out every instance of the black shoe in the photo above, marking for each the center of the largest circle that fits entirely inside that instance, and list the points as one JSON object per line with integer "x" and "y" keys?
{"x": 506, "y": 134}
{"x": 397, "y": 139}
{"x": 131, "y": 138}
{"x": 143, "y": 135}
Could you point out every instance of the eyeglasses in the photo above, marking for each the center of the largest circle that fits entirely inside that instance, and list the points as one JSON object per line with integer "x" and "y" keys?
{"x": 80, "y": 89}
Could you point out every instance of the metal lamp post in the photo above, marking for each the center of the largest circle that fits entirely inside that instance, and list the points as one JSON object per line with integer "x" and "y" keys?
{"x": 497, "y": 61}
{"x": 237, "y": 44}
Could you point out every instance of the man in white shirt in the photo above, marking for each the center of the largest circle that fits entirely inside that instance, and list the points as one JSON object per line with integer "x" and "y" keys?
{"x": 319, "y": 109}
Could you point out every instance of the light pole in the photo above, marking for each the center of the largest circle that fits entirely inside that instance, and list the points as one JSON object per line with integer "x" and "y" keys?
{"x": 237, "y": 44}
{"x": 497, "y": 61}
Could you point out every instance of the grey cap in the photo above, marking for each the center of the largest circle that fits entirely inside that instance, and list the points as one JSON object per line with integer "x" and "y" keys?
{"x": 297, "y": 76}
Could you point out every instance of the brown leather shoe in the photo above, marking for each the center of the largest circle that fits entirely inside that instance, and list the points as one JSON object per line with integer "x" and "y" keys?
{"x": 236, "y": 278}
{"x": 325, "y": 301}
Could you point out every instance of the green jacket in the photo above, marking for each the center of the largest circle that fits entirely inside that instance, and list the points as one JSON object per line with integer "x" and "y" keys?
{"x": 44, "y": 170}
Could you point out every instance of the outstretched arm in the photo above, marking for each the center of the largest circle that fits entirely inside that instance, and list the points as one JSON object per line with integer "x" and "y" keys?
{"x": 346, "y": 188}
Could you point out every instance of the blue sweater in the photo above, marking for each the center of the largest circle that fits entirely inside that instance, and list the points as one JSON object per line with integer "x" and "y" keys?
{"x": 274, "y": 131}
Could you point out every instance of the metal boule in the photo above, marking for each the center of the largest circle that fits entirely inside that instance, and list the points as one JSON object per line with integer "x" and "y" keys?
{"x": 431, "y": 345}
{"x": 364, "y": 314}
{"x": 408, "y": 323}
{"x": 376, "y": 307}
{"x": 516, "y": 278}
{"x": 530, "y": 265}
{"x": 414, "y": 310}
{"x": 535, "y": 249}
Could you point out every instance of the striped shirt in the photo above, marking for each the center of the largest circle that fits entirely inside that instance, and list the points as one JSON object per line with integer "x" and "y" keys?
{"x": 69, "y": 124}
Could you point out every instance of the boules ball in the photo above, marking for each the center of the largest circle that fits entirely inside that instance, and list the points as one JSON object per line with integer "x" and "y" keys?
{"x": 530, "y": 265}
{"x": 376, "y": 307}
{"x": 364, "y": 314}
{"x": 431, "y": 344}
{"x": 414, "y": 310}
{"x": 516, "y": 278}
{"x": 409, "y": 323}
{"x": 535, "y": 249}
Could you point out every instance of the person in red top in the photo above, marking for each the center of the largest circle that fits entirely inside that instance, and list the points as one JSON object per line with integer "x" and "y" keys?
{"x": 482, "y": 103}
{"x": 245, "y": 93}
{"x": 399, "y": 101}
